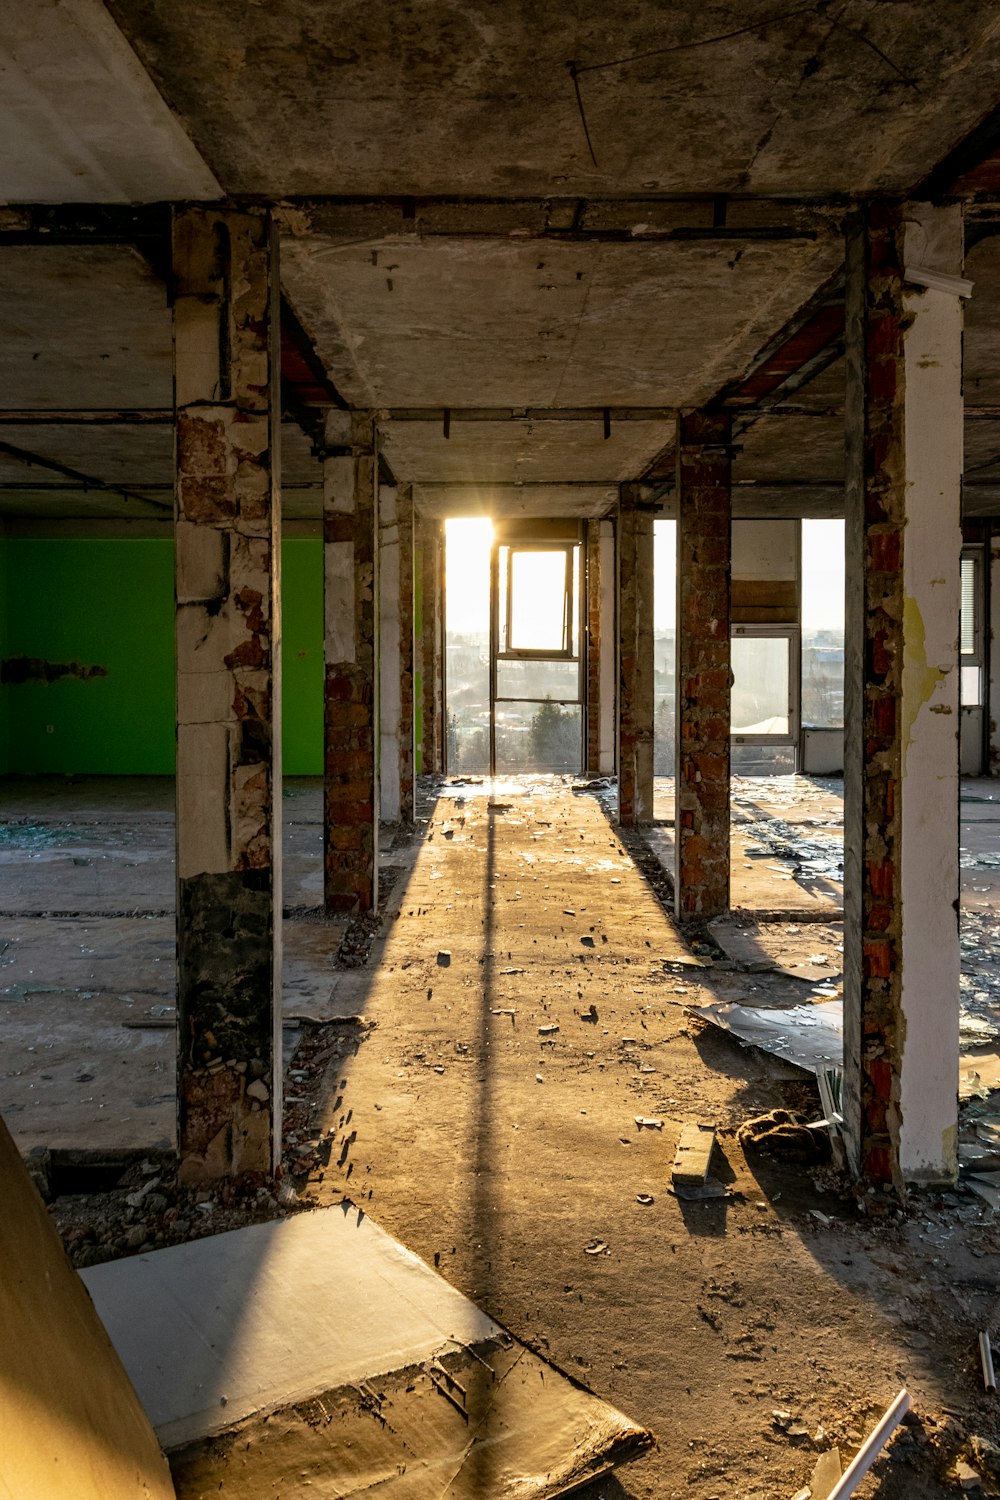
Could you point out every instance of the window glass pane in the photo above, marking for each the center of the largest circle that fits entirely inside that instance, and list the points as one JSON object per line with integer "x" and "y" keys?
{"x": 539, "y": 737}
{"x": 558, "y": 680}
{"x": 664, "y": 658}
{"x": 760, "y": 685}
{"x": 968, "y": 611}
{"x": 762, "y": 760}
{"x": 538, "y": 605}
{"x": 823, "y": 624}
{"x": 970, "y": 687}
{"x": 467, "y": 644}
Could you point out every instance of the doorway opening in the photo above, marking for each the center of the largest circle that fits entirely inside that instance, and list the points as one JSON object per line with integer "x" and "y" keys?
{"x": 514, "y": 647}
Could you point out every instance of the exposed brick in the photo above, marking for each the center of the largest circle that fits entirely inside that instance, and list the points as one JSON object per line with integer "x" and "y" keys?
{"x": 350, "y": 760}
{"x": 703, "y": 663}
{"x": 226, "y": 547}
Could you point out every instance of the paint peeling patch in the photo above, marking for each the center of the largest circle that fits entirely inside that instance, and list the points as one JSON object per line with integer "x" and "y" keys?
{"x": 20, "y": 669}
{"x": 919, "y": 678}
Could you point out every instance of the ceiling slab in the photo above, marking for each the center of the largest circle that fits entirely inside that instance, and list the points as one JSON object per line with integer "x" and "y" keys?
{"x": 82, "y": 326}
{"x": 82, "y": 121}
{"x": 409, "y": 98}
{"x": 403, "y": 322}
{"x": 505, "y": 502}
{"x": 524, "y": 452}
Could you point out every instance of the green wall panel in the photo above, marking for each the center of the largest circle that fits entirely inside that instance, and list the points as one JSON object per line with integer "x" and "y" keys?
{"x": 98, "y": 615}
{"x": 302, "y": 656}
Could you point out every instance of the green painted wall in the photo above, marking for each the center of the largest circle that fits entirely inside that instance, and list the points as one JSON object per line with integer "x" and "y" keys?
{"x": 108, "y": 604}
{"x": 302, "y": 656}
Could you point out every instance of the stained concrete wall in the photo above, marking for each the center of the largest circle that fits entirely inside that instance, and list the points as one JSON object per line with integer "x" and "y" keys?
{"x": 90, "y": 640}
{"x": 4, "y": 690}
{"x": 765, "y": 550}
{"x": 71, "y": 1426}
{"x": 993, "y": 700}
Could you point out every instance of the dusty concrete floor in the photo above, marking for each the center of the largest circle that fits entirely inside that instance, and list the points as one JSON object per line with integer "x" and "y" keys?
{"x": 749, "y": 1332}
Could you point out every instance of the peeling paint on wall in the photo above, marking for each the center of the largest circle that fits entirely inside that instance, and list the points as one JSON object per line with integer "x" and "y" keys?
{"x": 18, "y": 669}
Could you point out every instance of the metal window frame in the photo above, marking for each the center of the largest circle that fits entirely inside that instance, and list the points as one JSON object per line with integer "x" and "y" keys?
{"x": 573, "y": 620}
{"x": 791, "y": 634}
{"x": 569, "y": 650}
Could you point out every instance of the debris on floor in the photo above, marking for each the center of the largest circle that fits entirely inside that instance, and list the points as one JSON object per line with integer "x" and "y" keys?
{"x": 395, "y": 1377}
{"x": 693, "y": 1156}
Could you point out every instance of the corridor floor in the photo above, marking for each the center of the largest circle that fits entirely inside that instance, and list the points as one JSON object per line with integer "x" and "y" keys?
{"x": 510, "y": 1110}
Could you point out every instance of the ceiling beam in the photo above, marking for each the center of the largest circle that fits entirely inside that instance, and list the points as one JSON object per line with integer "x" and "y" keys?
{"x": 597, "y": 414}
{"x": 100, "y": 416}
{"x": 598, "y": 219}
{"x": 971, "y": 167}
{"x": 83, "y": 481}
{"x": 796, "y": 354}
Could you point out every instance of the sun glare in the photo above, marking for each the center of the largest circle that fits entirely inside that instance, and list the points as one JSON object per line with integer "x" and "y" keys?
{"x": 467, "y": 574}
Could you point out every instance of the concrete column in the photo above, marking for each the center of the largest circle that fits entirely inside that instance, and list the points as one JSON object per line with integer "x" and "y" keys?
{"x": 351, "y": 710}
{"x": 390, "y": 696}
{"x": 608, "y": 612}
{"x": 704, "y": 676}
{"x": 635, "y": 657}
{"x": 226, "y": 373}
{"x": 396, "y": 653}
{"x": 595, "y": 630}
{"x": 904, "y": 467}
{"x": 429, "y": 644}
{"x": 404, "y": 513}
{"x": 991, "y": 686}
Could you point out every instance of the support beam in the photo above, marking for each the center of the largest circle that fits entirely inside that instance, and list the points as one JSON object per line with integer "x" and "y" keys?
{"x": 350, "y": 594}
{"x": 904, "y": 467}
{"x": 396, "y": 652}
{"x": 704, "y": 676}
{"x": 429, "y": 644}
{"x": 228, "y": 693}
{"x": 635, "y": 657}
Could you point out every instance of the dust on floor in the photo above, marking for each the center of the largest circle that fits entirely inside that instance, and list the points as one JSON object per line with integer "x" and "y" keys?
{"x": 524, "y": 1007}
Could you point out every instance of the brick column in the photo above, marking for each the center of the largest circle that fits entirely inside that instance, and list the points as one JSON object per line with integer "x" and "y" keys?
{"x": 595, "y": 629}
{"x": 350, "y": 593}
{"x": 904, "y": 467}
{"x": 704, "y": 553}
{"x": 635, "y": 657}
{"x": 226, "y": 374}
{"x": 429, "y": 644}
{"x": 404, "y": 512}
{"x": 396, "y": 652}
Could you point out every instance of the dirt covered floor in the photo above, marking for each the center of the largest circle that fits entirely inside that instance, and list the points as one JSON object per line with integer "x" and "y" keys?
{"x": 501, "y": 1084}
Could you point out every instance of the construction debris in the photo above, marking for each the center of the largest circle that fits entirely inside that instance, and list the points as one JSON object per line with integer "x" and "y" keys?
{"x": 986, "y": 1358}
{"x": 785, "y": 1132}
{"x": 825, "y": 1475}
{"x": 693, "y": 1156}
{"x": 870, "y": 1448}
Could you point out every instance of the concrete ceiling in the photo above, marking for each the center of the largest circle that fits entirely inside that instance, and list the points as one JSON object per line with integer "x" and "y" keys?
{"x": 536, "y": 286}
{"x": 82, "y": 121}
{"x": 463, "y": 96}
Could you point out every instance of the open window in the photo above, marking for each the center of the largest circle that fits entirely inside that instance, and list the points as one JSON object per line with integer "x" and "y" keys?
{"x": 537, "y": 660}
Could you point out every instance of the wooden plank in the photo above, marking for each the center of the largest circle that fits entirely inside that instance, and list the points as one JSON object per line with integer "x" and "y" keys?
{"x": 693, "y": 1155}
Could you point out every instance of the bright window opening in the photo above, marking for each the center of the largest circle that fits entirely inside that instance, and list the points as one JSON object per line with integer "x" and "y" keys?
{"x": 823, "y": 624}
